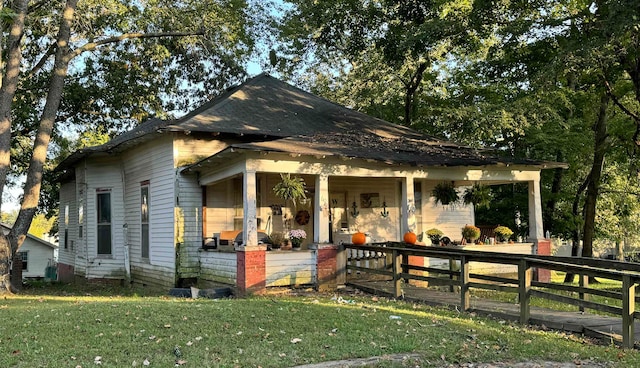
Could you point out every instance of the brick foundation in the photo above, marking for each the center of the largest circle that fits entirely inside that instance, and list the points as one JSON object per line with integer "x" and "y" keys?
{"x": 327, "y": 267}
{"x": 544, "y": 248}
{"x": 251, "y": 270}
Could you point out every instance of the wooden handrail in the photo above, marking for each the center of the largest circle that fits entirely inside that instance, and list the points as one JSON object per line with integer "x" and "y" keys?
{"x": 627, "y": 273}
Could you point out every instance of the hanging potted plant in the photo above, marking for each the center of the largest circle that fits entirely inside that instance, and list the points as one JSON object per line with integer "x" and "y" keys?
{"x": 445, "y": 193}
{"x": 291, "y": 189}
{"x": 478, "y": 195}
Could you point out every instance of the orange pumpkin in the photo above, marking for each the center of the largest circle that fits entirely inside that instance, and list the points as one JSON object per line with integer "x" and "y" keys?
{"x": 410, "y": 237}
{"x": 358, "y": 238}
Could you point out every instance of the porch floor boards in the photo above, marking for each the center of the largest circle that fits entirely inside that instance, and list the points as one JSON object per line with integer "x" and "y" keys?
{"x": 589, "y": 324}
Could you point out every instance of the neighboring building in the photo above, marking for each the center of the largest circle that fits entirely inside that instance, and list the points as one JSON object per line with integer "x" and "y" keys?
{"x": 36, "y": 254}
{"x": 147, "y": 204}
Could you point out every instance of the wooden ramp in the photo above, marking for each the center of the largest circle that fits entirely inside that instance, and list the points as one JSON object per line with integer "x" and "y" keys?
{"x": 602, "y": 327}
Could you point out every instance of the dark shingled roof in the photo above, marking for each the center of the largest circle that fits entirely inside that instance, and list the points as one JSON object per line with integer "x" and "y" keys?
{"x": 274, "y": 116}
{"x": 269, "y": 107}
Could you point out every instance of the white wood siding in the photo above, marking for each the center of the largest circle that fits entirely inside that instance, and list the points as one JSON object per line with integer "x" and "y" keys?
{"x": 39, "y": 257}
{"x": 189, "y": 225}
{"x": 190, "y": 149}
{"x": 450, "y": 219}
{"x": 152, "y": 162}
{"x": 80, "y": 243}
{"x": 285, "y": 268}
{"x": 218, "y": 267}
{"x": 104, "y": 173}
{"x": 369, "y": 220}
{"x": 67, "y": 198}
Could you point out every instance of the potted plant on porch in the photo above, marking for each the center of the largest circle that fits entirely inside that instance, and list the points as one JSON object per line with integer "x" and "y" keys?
{"x": 276, "y": 240}
{"x": 503, "y": 233}
{"x": 296, "y": 236}
{"x": 470, "y": 233}
{"x": 435, "y": 235}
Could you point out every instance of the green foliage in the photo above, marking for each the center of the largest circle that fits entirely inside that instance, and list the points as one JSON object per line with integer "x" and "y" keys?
{"x": 290, "y": 188}
{"x": 434, "y": 235}
{"x": 503, "y": 233}
{"x": 120, "y": 84}
{"x": 276, "y": 238}
{"x": 470, "y": 232}
{"x": 479, "y": 195}
{"x": 41, "y": 225}
{"x": 445, "y": 193}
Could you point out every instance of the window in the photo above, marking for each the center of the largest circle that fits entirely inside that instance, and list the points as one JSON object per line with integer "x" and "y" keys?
{"x": 80, "y": 214}
{"x": 144, "y": 219}
{"x": 25, "y": 260}
{"x": 104, "y": 221}
{"x": 66, "y": 225}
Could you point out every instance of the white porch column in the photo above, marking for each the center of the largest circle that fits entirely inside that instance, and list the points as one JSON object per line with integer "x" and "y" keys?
{"x": 249, "y": 221}
{"x": 408, "y": 206}
{"x": 536, "y": 231}
{"x": 321, "y": 210}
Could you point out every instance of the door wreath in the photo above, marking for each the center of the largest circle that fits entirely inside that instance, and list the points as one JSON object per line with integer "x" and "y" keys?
{"x": 302, "y": 217}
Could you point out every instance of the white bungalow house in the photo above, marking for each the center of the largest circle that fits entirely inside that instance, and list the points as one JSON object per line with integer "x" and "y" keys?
{"x": 154, "y": 204}
{"x": 36, "y": 255}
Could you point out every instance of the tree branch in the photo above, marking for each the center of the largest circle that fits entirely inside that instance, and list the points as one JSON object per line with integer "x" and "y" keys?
{"x": 619, "y": 104}
{"x": 50, "y": 52}
{"x": 128, "y": 36}
{"x": 635, "y": 117}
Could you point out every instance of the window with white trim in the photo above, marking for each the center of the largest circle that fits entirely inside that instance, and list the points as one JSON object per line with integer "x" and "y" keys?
{"x": 144, "y": 219}
{"x": 103, "y": 207}
{"x": 25, "y": 260}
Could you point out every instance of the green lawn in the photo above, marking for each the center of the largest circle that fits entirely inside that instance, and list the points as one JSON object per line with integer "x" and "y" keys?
{"x": 558, "y": 277}
{"x": 63, "y": 327}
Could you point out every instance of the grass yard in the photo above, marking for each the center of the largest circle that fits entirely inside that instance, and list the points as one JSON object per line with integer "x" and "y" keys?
{"x": 558, "y": 277}
{"x": 62, "y": 327}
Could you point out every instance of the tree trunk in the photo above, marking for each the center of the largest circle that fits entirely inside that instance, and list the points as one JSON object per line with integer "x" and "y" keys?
{"x": 575, "y": 234}
{"x": 7, "y": 91}
{"x": 38, "y": 157}
{"x": 600, "y": 149}
{"x": 556, "y": 187}
{"x": 9, "y": 85}
{"x": 411, "y": 88}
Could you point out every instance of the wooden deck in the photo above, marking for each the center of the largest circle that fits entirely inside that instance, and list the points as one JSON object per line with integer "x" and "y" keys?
{"x": 598, "y": 326}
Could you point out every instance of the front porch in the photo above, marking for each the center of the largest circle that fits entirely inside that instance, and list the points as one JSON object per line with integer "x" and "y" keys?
{"x": 343, "y": 196}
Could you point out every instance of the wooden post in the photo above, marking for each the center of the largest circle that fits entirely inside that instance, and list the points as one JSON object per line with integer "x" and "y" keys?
{"x": 405, "y": 265}
{"x": 524, "y": 290}
{"x": 397, "y": 269}
{"x": 249, "y": 221}
{"x": 628, "y": 310}
{"x": 321, "y": 210}
{"x": 452, "y": 263}
{"x": 465, "y": 298}
{"x": 584, "y": 283}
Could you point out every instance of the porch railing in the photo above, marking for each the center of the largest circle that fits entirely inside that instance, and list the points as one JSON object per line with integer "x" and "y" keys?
{"x": 391, "y": 261}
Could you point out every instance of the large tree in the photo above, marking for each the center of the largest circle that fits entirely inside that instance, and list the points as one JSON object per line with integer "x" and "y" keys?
{"x": 78, "y": 65}
{"x": 537, "y": 79}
